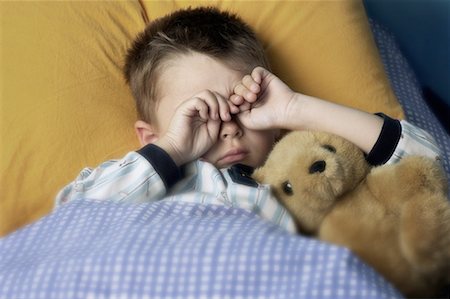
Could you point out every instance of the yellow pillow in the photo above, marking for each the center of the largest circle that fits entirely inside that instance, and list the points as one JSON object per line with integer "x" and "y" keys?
{"x": 64, "y": 101}
{"x": 320, "y": 48}
{"x": 64, "y": 104}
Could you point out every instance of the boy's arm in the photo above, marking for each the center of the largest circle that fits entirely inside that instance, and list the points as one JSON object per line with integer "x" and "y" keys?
{"x": 268, "y": 102}
{"x": 383, "y": 139}
{"x": 309, "y": 113}
{"x": 141, "y": 176}
{"x": 146, "y": 175}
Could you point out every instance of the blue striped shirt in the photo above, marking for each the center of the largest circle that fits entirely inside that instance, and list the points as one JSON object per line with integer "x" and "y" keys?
{"x": 134, "y": 179}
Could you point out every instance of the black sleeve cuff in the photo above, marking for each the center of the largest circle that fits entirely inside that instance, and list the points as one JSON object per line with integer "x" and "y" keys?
{"x": 163, "y": 164}
{"x": 387, "y": 141}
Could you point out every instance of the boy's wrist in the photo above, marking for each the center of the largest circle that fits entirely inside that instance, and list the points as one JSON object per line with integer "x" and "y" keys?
{"x": 294, "y": 117}
{"x": 177, "y": 157}
{"x": 162, "y": 163}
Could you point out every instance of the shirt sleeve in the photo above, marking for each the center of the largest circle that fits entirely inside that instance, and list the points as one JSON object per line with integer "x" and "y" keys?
{"x": 142, "y": 176}
{"x": 415, "y": 141}
{"x": 399, "y": 139}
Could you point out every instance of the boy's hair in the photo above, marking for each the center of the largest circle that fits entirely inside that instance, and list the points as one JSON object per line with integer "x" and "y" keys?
{"x": 205, "y": 30}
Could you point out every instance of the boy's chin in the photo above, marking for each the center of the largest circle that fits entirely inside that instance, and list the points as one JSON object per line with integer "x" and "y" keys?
{"x": 243, "y": 162}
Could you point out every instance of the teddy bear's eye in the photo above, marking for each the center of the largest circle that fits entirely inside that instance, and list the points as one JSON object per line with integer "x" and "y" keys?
{"x": 329, "y": 148}
{"x": 287, "y": 188}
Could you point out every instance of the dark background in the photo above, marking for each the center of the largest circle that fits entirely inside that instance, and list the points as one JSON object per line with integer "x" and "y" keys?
{"x": 422, "y": 29}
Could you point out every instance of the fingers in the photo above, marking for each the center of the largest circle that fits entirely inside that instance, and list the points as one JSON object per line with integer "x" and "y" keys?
{"x": 245, "y": 91}
{"x": 201, "y": 107}
{"x": 259, "y": 73}
{"x": 211, "y": 105}
{"x": 245, "y": 107}
{"x": 224, "y": 107}
{"x": 252, "y": 83}
{"x": 233, "y": 108}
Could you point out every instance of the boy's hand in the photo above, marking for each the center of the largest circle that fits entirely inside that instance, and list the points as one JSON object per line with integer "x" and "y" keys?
{"x": 263, "y": 100}
{"x": 194, "y": 127}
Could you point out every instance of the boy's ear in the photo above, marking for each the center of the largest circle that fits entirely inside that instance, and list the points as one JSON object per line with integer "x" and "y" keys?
{"x": 145, "y": 132}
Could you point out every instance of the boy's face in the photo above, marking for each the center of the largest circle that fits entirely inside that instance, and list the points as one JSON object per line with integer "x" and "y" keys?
{"x": 186, "y": 75}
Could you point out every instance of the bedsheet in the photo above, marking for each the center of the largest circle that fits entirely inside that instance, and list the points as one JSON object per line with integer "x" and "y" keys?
{"x": 94, "y": 249}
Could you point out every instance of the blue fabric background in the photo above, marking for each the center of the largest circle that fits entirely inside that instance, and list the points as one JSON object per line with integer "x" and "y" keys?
{"x": 422, "y": 30}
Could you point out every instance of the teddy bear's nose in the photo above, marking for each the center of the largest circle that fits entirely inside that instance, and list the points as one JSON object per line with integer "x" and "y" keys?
{"x": 318, "y": 166}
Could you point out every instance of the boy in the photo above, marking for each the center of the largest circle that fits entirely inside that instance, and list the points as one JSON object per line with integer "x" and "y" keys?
{"x": 210, "y": 111}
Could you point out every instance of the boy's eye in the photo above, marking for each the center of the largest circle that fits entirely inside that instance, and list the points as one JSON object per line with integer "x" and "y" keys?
{"x": 329, "y": 148}
{"x": 287, "y": 188}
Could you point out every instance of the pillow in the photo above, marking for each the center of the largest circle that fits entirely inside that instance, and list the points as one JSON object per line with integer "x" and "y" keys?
{"x": 65, "y": 105}
{"x": 319, "y": 48}
{"x": 64, "y": 101}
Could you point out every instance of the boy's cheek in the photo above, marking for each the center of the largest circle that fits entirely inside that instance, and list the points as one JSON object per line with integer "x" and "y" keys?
{"x": 208, "y": 156}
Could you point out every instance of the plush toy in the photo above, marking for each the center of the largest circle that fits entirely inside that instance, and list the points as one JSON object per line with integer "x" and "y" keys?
{"x": 395, "y": 217}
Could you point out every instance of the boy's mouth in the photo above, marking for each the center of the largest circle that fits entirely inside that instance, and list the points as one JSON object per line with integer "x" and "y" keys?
{"x": 232, "y": 156}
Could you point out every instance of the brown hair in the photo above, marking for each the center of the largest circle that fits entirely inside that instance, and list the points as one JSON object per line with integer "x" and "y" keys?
{"x": 206, "y": 30}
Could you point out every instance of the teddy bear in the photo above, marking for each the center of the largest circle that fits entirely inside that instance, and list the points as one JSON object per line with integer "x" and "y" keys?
{"x": 395, "y": 217}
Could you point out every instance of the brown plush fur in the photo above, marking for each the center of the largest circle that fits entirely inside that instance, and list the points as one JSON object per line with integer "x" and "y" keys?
{"x": 395, "y": 217}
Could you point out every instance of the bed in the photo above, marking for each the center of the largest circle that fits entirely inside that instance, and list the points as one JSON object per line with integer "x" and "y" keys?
{"x": 65, "y": 107}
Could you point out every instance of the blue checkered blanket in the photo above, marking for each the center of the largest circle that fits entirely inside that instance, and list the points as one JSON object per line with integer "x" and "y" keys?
{"x": 93, "y": 249}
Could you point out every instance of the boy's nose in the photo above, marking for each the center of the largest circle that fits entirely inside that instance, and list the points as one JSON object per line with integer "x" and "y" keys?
{"x": 230, "y": 129}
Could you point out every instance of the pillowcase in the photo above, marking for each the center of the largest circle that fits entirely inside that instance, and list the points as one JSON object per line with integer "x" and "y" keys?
{"x": 320, "y": 48}
{"x": 65, "y": 106}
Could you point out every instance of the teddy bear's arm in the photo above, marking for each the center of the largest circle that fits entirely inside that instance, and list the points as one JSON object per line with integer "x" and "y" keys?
{"x": 411, "y": 175}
